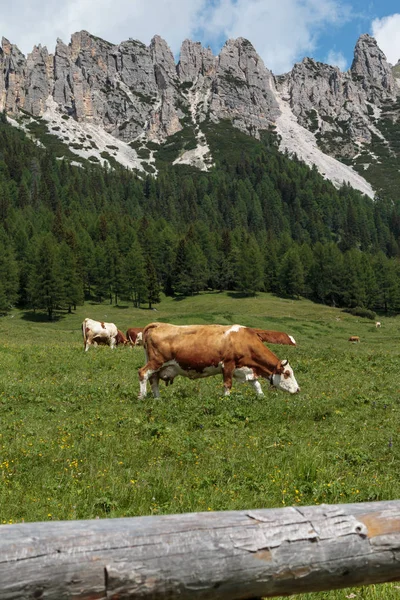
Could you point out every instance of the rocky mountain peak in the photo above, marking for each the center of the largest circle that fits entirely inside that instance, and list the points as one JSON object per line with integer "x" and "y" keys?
{"x": 195, "y": 60}
{"x": 5, "y": 45}
{"x": 164, "y": 62}
{"x": 370, "y": 68}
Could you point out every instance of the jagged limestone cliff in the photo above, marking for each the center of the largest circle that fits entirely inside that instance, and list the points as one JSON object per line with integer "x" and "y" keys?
{"x": 136, "y": 93}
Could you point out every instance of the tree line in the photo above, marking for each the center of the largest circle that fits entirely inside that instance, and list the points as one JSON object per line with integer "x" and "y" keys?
{"x": 258, "y": 221}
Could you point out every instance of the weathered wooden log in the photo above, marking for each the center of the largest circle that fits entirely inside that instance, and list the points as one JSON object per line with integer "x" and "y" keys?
{"x": 219, "y": 555}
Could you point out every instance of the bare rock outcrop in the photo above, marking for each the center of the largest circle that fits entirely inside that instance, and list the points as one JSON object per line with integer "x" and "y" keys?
{"x": 242, "y": 89}
{"x": 371, "y": 69}
{"x": 13, "y": 73}
{"x": 136, "y": 92}
{"x": 338, "y": 105}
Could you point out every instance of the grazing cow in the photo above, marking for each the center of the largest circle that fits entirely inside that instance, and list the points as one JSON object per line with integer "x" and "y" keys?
{"x": 98, "y": 332}
{"x": 121, "y": 339}
{"x": 377, "y": 324}
{"x": 275, "y": 337}
{"x": 354, "y": 338}
{"x": 134, "y": 335}
{"x": 196, "y": 351}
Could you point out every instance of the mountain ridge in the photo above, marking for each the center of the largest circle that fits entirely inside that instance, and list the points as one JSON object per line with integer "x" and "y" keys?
{"x": 121, "y": 102}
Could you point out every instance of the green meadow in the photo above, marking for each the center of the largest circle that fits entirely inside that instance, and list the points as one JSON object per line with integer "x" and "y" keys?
{"x": 76, "y": 443}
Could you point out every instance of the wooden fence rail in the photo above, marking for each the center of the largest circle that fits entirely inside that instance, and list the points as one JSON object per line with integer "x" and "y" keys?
{"x": 219, "y": 555}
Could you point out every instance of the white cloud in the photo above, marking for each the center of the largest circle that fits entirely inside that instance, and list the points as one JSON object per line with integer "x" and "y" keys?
{"x": 114, "y": 20}
{"x": 386, "y": 31}
{"x": 336, "y": 59}
{"x": 281, "y": 32}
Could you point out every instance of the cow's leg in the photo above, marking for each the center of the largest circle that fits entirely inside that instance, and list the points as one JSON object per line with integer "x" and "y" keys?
{"x": 143, "y": 377}
{"x": 154, "y": 379}
{"x": 113, "y": 343}
{"x": 88, "y": 341}
{"x": 144, "y": 374}
{"x": 227, "y": 373}
{"x": 256, "y": 386}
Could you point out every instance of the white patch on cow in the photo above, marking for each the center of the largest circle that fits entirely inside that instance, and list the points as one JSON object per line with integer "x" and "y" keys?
{"x": 143, "y": 388}
{"x": 244, "y": 374}
{"x": 287, "y": 381}
{"x": 143, "y": 384}
{"x": 257, "y": 387}
{"x": 292, "y": 339}
{"x": 233, "y": 329}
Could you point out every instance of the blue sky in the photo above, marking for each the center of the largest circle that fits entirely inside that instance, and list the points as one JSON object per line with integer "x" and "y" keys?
{"x": 282, "y": 31}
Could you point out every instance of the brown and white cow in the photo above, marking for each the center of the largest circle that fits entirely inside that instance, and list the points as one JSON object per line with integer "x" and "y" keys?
{"x": 275, "y": 337}
{"x": 197, "y": 351}
{"x": 121, "y": 339}
{"x": 99, "y": 332}
{"x": 377, "y": 324}
{"x": 134, "y": 336}
{"x": 354, "y": 338}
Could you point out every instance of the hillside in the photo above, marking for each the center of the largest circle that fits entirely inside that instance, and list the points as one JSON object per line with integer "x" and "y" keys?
{"x": 257, "y": 221}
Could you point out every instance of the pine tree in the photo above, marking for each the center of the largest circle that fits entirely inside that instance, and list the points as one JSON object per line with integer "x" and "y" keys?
{"x": 136, "y": 274}
{"x": 247, "y": 265}
{"x": 9, "y": 279}
{"x": 153, "y": 286}
{"x": 387, "y": 278}
{"x": 353, "y": 288}
{"x": 46, "y": 289}
{"x": 71, "y": 280}
{"x": 326, "y": 273}
{"x": 180, "y": 278}
{"x": 291, "y": 273}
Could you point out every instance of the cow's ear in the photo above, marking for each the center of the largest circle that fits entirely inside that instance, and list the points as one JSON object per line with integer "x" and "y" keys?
{"x": 279, "y": 368}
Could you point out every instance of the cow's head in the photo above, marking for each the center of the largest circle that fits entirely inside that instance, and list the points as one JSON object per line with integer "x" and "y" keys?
{"x": 121, "y": 339}
{"x": 283, "y": 378}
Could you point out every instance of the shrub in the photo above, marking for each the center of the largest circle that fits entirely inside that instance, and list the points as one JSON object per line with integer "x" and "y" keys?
{"x": 358, "y": 311}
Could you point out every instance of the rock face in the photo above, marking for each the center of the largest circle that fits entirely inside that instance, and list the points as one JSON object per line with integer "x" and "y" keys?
{"x": 340, "y": 105}
{"x": 137, "y": 93}
{"x": 242, "y": 89}
{"x": 371, "y": 69}
{"x": 132, "y": 90}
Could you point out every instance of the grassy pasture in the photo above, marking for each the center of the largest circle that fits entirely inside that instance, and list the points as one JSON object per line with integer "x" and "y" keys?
{"x": 76, "y": 443}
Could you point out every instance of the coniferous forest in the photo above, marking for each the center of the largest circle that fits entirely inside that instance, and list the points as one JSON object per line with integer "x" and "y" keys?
{"x": 257, "y": 221}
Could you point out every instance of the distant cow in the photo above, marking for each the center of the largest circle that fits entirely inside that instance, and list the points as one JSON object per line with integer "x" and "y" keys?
{"x": 134, "y": 335}
{"x": 354, "y": 338}
{"x": 377, "y": 324}
{"x": 99, "y": 332}
{"x": 275, "y": 337}
{"x": 197, "y": 351}
{"x": 121, "y": 339}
